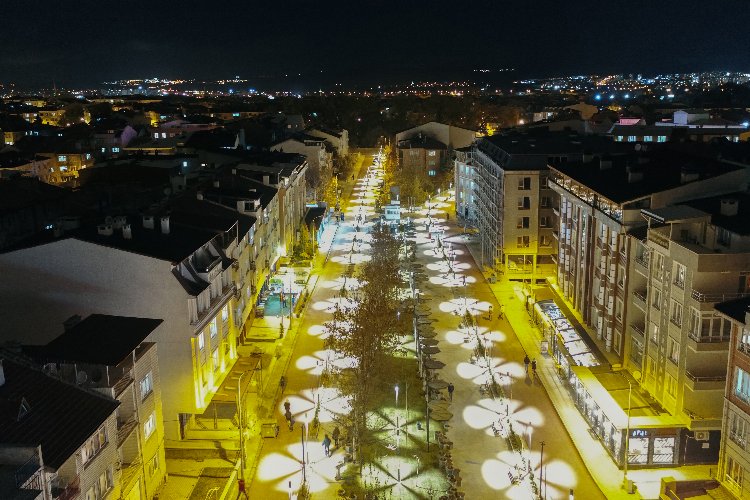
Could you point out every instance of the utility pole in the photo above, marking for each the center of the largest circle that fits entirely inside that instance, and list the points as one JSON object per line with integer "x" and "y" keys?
{"x": 541, "y": 469}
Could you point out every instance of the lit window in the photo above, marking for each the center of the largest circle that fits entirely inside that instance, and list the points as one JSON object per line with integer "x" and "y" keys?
{"x": 213, "y": 328}
{"x": 153, "y": 465}
{"x": 62, "y": 158}
{"x": 742, "y": 386}
{"x": 631, "y": 138}
{"x": 93, "y": 445}
{"x": 115, "y": 150}
{"x": 104, "y": 150}
{"x": 150, "y": 425}
{"x": 674, "y": 351}
{"x": 147, "y": 386}
{"x": 648, "y": 138}
{"x": 215, "y": 358}
{"x": 156, "y": 135}
{"x": 201, "y": 341}
{"x": 432, "y": 173}
{"x": 225, "y": 313}
{"x": 88, "y": 156}
{"x": 163, "y": 135}
{"x": 431, "y": 153}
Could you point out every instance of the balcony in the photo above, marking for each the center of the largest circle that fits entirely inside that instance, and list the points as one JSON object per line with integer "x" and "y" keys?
{"x": 555, "y": 234}
{"x": 638, "y": 328}
{"x": 642, "y": 264}
{"x": 705, "y": 382}
{"x": 29, "y": 475}
{"x": 555, "y": 210}
{"x": 125, "y": 428}
{"x": 699, "y": 342}
{"x": 211, "y": 311}
{"x": 639, "y": 299}
{"x": 68, "y": 492}
{"x": 714, "y": 297}
{"x": 122, "y": 384}
{"x": 744, "y": 348}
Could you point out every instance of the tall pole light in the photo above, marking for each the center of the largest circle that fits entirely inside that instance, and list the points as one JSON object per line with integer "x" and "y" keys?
{"x": 636, "y": 376}
{"x": 239, "y": 424}
{"x": 541, "y": 468}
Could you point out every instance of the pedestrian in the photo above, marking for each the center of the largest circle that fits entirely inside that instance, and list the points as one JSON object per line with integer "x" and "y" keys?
{"x": 287, "y": 406}
{"x": 502, "y": 312}
{"x": 450, "y": 390}
{"x": 447, "y": 216}
{"x": 289, "y": 418}
{"x": 327, "y": 445}
{"x": 533, "y": 367}
{"x": 336, "y": 434}
{"x": 282, "y": 383}
{"x": 526, "y": 362}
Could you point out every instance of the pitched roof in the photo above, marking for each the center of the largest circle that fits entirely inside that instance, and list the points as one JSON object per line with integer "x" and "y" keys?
{"x": 99, "y": 339}
{"x": 60, "y": 416}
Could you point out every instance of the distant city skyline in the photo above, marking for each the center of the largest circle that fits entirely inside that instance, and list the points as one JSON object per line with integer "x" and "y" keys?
{"x": 364, "y": 41}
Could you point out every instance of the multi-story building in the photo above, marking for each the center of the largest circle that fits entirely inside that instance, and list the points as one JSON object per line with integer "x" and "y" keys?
{"x": 513, "y": 202}
{"x": 318, "y": 157}
{"x": 734, "y": 459}
{"x": 60, "y": 438}
{"x": 466, "y": 203}
{"x": 109, "y": 355}
{"x": 338, "y": 139}
{"x": 421, "y": 153}
{"x": 153, "y": 268}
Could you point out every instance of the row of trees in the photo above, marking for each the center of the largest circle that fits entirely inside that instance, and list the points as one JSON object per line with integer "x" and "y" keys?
{"x": 367, "y": 332}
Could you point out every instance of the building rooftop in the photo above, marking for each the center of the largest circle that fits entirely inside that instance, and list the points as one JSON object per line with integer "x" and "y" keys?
{"x": 541, "y": 141}
{"x": 734, "y": 309}
{"x": 421, "y": 141}
{"x": 738, "y": 224}
{"x": 99, "y": 339}
{"x": 629, "y": 177}
{"x": 36, "y": 409}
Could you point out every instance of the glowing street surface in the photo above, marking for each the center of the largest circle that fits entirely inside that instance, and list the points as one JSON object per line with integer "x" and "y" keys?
{"x": 452, "y": 285}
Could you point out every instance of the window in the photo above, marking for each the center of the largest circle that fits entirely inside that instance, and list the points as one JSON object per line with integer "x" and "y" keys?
{"x": 156, "y": 135}
{"x": 150, "y": 425}
{"x": 723, "y": 237}
{"x": 543, "y": 182}
{"x": 524, "y": 203}
{"x": 546, "y": 202}
{"x": 523, "y": 223}
{"x": 654, "y": 333}
{"x": 734, "y": 472}
{"x": 104, "y": 483}
{"x": 213, "y": 329}
{"x": 742, "y": 385}
{"x": 225, "y": 313}
{"x": 104, "y": 150}
{"x": 631, "y": 138}
{"x": 674, "y": 351}
{"x": 545, "y": 221}
{"x": 648, "y": 138}
{"x": 215, "y": 359}
{"x": 432, "y": 173}
{"x": 659, "y": 266}
{"x": 153, "y": 465}
{"x": 545, "y": 241}
{"x": 163, "y": 135}
{"x": 93, "y": 445}
{"x": 524, "y": 183}
{"x": 62, "y": 158}
{"x": 661, "y": 138}
{"x": 523, "y": 242}
{"x": 676, "y": 317}
{"x": 88, "y": 156}
{"x": 679, "y": 276}
{"x": 656, "y": 298}
{"x": 115, "y": 150}
{"x": 431, "y": 153}
{"x": 201, "y": 341}
{"x": 738, "y": 427}
{"x": 636, "y": 351}
{"x": 147, "y": 386}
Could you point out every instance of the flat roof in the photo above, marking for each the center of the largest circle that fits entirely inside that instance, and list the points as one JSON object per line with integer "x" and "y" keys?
{"x": 734, "y": 309}
{"x": 738, "y": 224}
{"x": 99, "y": 339}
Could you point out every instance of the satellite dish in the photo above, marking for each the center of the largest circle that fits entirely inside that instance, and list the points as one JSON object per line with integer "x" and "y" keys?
{"x": 81, "y": 378}
{"x": 637, "y": 147}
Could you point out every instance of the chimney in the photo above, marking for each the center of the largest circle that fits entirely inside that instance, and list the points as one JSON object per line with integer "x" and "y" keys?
{"x": 729, "y": 207}
{"x": 165, "y": 224}
{"x": 216, "y": 184}
{"x": 71, "y": 322}
{"x": 104, "y": 229}
{"x": 199, "y": 195}
{"x": 127, "y": 232}
{"x": 148, "y": 221}
{"x": 267, "y": 180}
{"x": 234, "y": 171}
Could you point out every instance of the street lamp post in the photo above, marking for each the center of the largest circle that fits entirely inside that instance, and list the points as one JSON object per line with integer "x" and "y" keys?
{"x": 240, "y": 425}
{"x": 636, "y": 375}
{"x": 302, "y": 429}
{"x": 541, "y": 468}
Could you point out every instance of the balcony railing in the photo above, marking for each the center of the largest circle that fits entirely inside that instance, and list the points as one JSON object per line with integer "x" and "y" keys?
{"x": 125, "y": 428}
{"x": 642, "y": 261}
{"x": 705, "y": 378}
{"x": 638, "y": 328}
{"x": 27, "y": 471}
{"x": 696, "y": 336}
{"x": 738, "y": 438}
{"x": 744, "y": 348}
{"x": 699, "y": 296}
{"x": 69, "y": 491}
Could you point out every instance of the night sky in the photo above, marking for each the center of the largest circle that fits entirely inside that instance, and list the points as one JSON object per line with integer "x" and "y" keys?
{"x": 84, "y": 42}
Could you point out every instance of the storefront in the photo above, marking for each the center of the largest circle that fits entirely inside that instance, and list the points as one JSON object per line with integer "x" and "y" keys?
{"x": 281, "y": 291}
{"x": 563, "y": 341}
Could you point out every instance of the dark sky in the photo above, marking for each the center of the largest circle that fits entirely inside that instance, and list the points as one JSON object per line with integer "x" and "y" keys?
{"x": 83, "y": 42}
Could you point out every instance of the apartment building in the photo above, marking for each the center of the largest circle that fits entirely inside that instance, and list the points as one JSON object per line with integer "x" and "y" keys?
{"x": 58, "y": 440}
{"x": 149, "y": 266}
{"x": 513, "y": 202}
{"x": 734, "y": 457}
{"x": 109, "y": 354}
{"x": 319, "y": 159}
{"x": 339, "y": 139}
{"x": 464, "y": 172}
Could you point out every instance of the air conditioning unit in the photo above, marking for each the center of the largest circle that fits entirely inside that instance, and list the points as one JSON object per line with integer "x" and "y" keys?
{"x": 701, "y": 435}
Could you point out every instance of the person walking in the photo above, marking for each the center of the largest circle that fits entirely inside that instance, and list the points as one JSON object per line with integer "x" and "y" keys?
{"x": 327, "y": 445}
{"x": 533, "y": 367}
{"x": 502, "y": 312}
{"x": 336, "y": 434}
{"x": 526, "y": 362}
{"x": 450, "y": 390}
{"x": 282, "y": 384}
